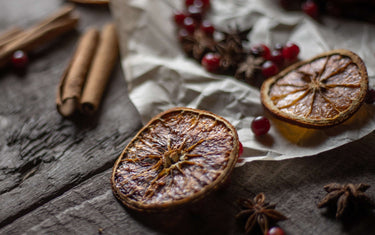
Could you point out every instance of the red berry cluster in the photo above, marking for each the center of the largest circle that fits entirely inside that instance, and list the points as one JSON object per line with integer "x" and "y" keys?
{"x": 229, "y": 56}
{"x": 277, "y": 58}
{"x": 197, "y": 35}
{"x": 191, "y": 18}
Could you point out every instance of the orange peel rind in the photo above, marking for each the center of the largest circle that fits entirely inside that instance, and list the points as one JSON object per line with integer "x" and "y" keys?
{"x": 179, "y": 157}
{"x": 320, "y": 92}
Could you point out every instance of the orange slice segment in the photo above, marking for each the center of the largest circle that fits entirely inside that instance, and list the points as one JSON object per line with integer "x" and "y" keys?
{"x": 320, "y": 92}
{"x": 180, "y": 156}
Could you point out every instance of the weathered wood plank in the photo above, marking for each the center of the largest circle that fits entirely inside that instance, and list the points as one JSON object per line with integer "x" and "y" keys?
{"x": 90, "y": 206}
{"x": 42, "y": 154}
{"x": 54, "y": 154}
{"x": 54, "y": 173}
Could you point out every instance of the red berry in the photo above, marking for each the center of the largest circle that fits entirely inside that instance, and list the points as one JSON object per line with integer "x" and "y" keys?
{"x": 266, "y": 52}
{"x": 261, "y": 50}
{"x": 195, "y": 12}
{"x": 279, "y": 47}
{"x": 290, "y": 51}
{"x": 260, "y": 125}
{"x": 189, "y": 3}
{"x": 275, "y": 231}
{"x": 370, "y": 97}
{"x": 211, "y": 62}
{"x": 204, "y": 4}
{"x": 207, "y": 27}
{"x": 20, "y": 59}
{"x": 240, "y": 150}
{"x": 179, "y": 17}
{"x": 277, "y": 57}
{"x": 269, "y": 69}
{"x": 189, "y": 24}
{"x": 310, "y": 8}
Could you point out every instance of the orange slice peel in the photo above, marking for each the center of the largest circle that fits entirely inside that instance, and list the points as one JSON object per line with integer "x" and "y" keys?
{"x": 180, "y": 156}
{"x": 321, "y": 92}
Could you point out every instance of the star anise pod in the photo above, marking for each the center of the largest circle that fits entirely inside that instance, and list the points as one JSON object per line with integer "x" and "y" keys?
{"x": 233, "y": 41}
{"x": 346, "y": 197}
{"x": 260, "y": 213}
{"x": 236, "y": 35}
{"x": 231, "y": 51}
{"x": 198, "y": 44}
{"x": 247, "y": 68}
{"x": 231, "y": 55}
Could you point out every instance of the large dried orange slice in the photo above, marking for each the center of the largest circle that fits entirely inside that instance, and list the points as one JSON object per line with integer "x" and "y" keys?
{"x": 320, "y": 92}
{"x": 179, "y": 157}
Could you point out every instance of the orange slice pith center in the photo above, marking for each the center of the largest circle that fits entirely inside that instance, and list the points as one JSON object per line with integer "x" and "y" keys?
{"x": 323, "y": 91}
{"x": 176, "y": 157}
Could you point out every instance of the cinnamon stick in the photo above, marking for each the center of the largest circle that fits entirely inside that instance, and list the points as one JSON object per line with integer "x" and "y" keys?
{"x": 9, "y": 35}
{"x": 48, "y": 29}
{"x": 72, "y": 82}
{"x": 62, "y": 13}
{"x": 100, "y": 71}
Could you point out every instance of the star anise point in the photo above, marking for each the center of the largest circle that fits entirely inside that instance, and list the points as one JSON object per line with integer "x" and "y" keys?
{"x": 260, "y": 213}
{"x": 248, "y": 67}
{"x": 346, "y": 197}
{"x": 198, "y": 44}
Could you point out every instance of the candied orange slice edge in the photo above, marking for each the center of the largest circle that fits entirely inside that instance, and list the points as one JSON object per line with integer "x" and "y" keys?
{"x": 180, "y": 156}
{"x": 320, "y": 92}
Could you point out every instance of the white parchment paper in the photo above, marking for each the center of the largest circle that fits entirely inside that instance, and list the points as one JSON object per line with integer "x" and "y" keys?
{"x": 159, "y": 75}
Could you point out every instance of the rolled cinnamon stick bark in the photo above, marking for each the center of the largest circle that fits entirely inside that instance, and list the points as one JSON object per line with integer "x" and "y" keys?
{"x": 10, "y": 32}
{"x": 73, "y": 80}
{"x": 100, "y": 71}
{"x": 9, "y": 35}
{"x": 64, "y": 12}
{"x": 47, "y": 30}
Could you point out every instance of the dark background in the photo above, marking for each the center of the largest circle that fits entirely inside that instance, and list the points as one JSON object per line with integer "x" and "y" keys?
{"x": 54, "y": 172}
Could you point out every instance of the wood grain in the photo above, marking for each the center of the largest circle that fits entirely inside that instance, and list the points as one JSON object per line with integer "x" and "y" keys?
{"x": 55, "y": 172}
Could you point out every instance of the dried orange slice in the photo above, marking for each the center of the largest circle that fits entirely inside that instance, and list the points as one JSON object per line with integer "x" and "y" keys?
{"x": 179, "y": 157}
{"x": 321, "y": 92}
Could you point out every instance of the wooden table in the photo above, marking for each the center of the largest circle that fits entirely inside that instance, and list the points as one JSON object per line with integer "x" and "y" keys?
{"x": 54, "y": 172}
